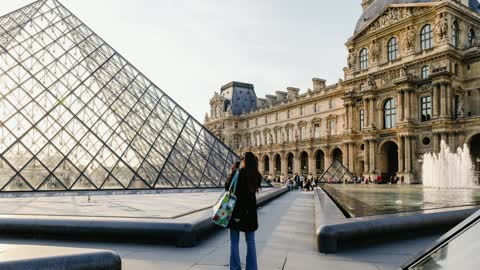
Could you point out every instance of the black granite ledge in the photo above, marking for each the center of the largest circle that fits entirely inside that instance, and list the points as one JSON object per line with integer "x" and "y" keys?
{"x": 185, "y": 231}
{"x": 57, "y": 258}
{"x": 335, "y": 232}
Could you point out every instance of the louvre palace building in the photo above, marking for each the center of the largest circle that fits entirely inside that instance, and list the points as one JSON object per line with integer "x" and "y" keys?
{"x": 411, "y": 81}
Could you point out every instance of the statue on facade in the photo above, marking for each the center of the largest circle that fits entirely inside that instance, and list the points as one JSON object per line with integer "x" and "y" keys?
{"x": 352, "y": 58}
{"x": 375, "y": 50}
{"x": 409, "y": 38}
{"x": 270, "y": 137}
{"x": 460, "y": 109}
{"x": 296, "y": 135}
{"x": 371, "y": 82}
{"x": 441, "y": 26}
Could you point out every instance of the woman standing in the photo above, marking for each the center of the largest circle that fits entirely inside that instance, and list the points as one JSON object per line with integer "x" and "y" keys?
{"x": 244, "y": 217}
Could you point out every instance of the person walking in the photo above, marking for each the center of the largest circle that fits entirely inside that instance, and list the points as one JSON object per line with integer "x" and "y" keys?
{"x": 244, "y": 217}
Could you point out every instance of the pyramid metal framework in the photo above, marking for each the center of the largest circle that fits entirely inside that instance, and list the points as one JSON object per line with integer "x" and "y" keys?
{"x": 336, "y": 172}
{"x": 75, "y": 115}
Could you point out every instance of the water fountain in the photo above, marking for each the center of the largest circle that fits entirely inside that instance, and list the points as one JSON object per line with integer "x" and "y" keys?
{"x": 447, "y": 169}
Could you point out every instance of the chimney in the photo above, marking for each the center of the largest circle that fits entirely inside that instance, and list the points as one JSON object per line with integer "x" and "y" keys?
{"x": 292, "y": 92}
{"x": 281, "y": 95}
{"x": 319, "y": 84}
{"x": 270, "y": 98}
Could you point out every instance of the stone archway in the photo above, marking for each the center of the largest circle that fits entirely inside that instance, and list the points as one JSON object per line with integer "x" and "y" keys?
{"x": 474, "y": 146}
{"x": 277, "y": 164}
{"x": 266, "y": 164}
{"x": 290, "y": 158}
{"x": 337, "y": 154}
{"x": 319, "y": 162}
{"x": 304, "y": 162}
{"x": 388, "y": 161}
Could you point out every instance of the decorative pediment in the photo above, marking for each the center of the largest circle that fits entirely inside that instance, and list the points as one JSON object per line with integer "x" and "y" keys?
{"x": 393, "y": 14}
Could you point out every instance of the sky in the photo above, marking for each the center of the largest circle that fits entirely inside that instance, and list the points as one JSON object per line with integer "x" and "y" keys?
{"x": 190, "y": 48}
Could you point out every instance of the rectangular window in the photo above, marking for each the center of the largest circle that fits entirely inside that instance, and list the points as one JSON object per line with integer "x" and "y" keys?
{"x": 332, "y": 127}
{"x": 247, "y": 123}
{"x": 266, "y": 119}
{"x": 276, "y": 116}
{"x": 237, "y": 142}
{"x": 332, "y": 103}
{"x": 235, "y": 125}
{"x": 426, "y": 108}
{"x": 303, "y": 133}
{"x": 301, "y": 111}
{"x": 288, "y": 114}
{"x": 256, "y": 121}
{"x": 362, "y": 119}
{"x": 317, "y": 131}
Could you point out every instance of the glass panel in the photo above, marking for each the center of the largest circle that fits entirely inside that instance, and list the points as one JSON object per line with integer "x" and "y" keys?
{"x": 77, "y": 116}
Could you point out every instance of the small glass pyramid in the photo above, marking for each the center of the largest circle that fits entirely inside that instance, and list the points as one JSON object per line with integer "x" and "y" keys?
{"x": 336, "y": 172}
{"x": 75, "y": 115}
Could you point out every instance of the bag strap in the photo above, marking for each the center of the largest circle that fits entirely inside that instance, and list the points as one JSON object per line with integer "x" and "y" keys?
{"x": 233, "y": 184}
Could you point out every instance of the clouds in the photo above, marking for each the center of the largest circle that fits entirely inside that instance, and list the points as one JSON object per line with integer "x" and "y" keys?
{"x": 190, "y": 48}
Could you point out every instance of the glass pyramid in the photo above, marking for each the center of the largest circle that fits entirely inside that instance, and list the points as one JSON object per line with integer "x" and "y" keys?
{"x": 75, "y": 115}
{"x": 336, "y": 172}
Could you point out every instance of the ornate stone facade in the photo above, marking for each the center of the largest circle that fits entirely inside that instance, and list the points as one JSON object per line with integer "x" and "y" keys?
{"x": 418, "y": 84}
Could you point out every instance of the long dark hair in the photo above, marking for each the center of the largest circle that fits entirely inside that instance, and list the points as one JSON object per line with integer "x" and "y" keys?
{"x": 250, "y": 168}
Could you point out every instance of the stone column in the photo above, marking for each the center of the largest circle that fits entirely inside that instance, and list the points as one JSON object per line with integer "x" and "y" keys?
{"x": 373, "y": 121}
{"x": 366, "y": 112}
{"x": 443, "y": 137}
{"x": 297, "y": 164}
{"x": 328, "y": 159}
{"x": 311, "y": 164}
{"x": 401, "y": 150}
{"x": 400, "y": 106}
{"x": 408, "y": 154}
{"x": 436, "y": 142}
{"x": 347, "y": 118}
{"x": 366, "y": 157}
{"x": 271, "y": 164}
{"x": 449, "y": 101}
{"x": 351, "y": 120}
{"x": 443, "y": 100}
{"x": 453, "y": 142}
{"x": 408, "y": 107}
{"x": 284, "y": 165}
{"x": 351, "y": 157}
{"x": 435, "y": 101}
{"x": 372, "y": 156}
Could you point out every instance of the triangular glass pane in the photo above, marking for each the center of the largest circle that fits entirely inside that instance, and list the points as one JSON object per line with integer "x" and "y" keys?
{"x": 67, "y": 173}
{"x": 52, "y": 183}
{"x": 83, "y": 184}
{"x": 35, "y": 173}
{"x": 17, "y": 184}
{"x": 138, "y": 183}
{"x": 6, "y": 173}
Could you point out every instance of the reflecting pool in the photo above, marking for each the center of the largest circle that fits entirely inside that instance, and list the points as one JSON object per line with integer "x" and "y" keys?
{"x": 370, "y": 200}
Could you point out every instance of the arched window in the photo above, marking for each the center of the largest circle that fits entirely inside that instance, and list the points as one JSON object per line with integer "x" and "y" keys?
{"x": 455, "y": 34}
{"x": 363, "y": 59}
{"x": 472, "y": 39}
{"x": 425, "y": 72}
{"x": 390, "y": 113}
{"x": 426, "y": 37}
{"x": 392, "y": 49}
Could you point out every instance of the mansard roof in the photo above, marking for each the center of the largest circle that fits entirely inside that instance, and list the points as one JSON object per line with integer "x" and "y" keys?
{"x": 379, "y": 5}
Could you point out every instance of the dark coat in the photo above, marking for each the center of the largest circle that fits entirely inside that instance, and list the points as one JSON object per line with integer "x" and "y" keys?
{"x": 244, "y": 217}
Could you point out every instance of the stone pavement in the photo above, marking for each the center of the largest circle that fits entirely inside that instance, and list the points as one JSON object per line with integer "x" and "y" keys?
{"x": 161, "y": 206}
{"x": 285, "y": 240}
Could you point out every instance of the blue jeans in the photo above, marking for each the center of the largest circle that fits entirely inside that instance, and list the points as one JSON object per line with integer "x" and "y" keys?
{"x": 235, "y": 252}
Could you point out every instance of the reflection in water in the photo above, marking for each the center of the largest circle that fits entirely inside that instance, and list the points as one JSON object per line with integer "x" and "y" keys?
{"x": 367, "y": 200}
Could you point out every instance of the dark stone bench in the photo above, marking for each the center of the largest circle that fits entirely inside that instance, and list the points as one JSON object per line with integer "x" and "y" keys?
{"x": 57, "y": 258}
{"x": 334, "y": 231}
{"x": 184, "y": 231}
